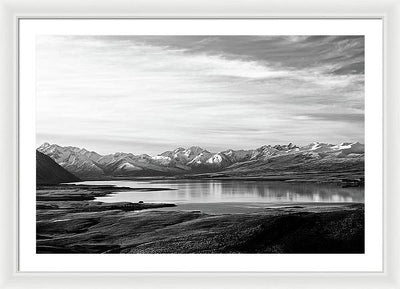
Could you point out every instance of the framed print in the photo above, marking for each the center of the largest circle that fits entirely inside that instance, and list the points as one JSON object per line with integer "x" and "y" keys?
{"x": 200, "y": 145}
{"x": 249, "y": 149}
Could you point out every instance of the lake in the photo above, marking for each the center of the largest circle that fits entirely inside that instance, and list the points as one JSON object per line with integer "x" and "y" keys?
{"x": 230, "y": 196}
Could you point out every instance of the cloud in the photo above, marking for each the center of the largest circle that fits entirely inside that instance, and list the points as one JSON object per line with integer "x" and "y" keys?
{"x": 124, "y": 92}
{"x": 341, "y": 117}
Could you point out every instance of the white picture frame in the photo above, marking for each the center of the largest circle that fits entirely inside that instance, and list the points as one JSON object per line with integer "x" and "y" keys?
{"x": 11, "y": 11}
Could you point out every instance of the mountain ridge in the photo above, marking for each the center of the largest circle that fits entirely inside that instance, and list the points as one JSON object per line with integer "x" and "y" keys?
{"x": 265, "y": 159}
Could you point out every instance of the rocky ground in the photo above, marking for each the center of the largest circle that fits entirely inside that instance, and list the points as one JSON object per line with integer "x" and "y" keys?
{"x": 69, "y": 221}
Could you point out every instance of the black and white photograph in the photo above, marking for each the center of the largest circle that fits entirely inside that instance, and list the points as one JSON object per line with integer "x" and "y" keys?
{"x": 200, "y": 144}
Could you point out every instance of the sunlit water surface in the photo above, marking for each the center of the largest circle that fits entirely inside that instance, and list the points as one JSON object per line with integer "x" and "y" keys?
{"x": 229, "y": 196}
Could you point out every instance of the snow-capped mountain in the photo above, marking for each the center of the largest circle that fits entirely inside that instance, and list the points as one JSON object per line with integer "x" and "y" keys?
{"x": 182, "y": 155}
{"x": 315, "y": 156}
{"x": 78, "y": 161}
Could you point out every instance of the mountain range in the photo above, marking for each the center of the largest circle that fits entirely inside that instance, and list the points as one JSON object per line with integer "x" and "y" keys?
{"x": 265, "y": 160}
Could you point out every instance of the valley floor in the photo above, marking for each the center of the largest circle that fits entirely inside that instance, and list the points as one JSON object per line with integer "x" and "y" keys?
{"x": 69, "y": 221}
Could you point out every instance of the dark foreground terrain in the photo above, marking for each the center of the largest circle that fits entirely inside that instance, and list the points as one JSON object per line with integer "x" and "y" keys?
{"x": 69, "y": 221}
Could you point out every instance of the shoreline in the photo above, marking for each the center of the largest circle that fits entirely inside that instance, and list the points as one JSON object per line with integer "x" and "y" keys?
{"x": 292, "y": 177}
{"x": 74, "y": 197}
{"x": 69, "y": 221}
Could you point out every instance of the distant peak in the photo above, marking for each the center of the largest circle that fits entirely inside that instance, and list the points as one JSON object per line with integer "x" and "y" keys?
{"x": 195, "y": 148}
{"x": 73, "y": 148}
{"x": 285, "y": 147}
{"x": 45, "y": 145}
{"x": 179, "y": 149}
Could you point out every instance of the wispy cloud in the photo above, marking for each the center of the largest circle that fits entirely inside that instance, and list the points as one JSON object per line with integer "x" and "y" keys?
{"x": 126, "y": 92}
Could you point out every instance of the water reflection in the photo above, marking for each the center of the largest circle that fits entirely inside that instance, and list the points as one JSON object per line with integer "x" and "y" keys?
{"x": 214, "y": 191}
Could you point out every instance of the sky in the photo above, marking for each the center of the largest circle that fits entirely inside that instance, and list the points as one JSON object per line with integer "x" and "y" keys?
{"x": 149, "y": 94}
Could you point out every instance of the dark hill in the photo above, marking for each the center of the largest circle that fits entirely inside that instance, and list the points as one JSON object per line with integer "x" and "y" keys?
{"x": 49, "y": 172}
